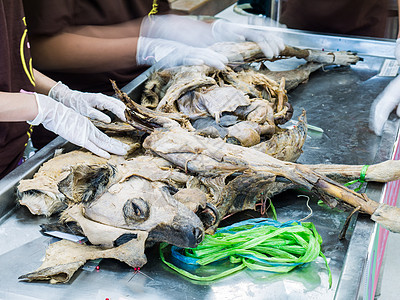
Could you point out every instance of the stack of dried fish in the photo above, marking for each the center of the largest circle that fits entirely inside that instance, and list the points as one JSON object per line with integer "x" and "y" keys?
{"x": 185, "y": 176}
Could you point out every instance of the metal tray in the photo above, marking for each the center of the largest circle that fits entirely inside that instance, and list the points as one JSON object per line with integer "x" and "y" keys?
{"x": 338, "y": 101}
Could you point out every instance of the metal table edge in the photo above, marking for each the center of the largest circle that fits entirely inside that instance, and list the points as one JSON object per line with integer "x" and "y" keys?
{"x": 350, "y": 285}
{"x": 9, "y": 183}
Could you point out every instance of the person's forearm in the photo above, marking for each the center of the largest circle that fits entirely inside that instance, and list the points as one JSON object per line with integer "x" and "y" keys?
{"x": 43, "y": 83}
{"x": 117, "y": 31}
{"x": 76, "y": 53}
{"x": 17, "y": 107}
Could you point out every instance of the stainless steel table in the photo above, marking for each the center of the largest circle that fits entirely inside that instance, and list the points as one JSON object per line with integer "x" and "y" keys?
{"x": 338, "y": 100}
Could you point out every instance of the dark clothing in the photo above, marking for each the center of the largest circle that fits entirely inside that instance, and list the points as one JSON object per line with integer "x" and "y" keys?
{"x": 348, "y": 17}
{"x": 49, "y": 17}
{"x": 15, "y": 74}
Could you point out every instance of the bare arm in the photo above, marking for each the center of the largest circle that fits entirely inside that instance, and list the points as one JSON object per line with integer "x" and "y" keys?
{"x": 17, "y": 107}
{"x": 122, "y": 30}
{"x": 85, "y": 54}
{"x": 22, "y": 106}
{"x": 43, "y": 83}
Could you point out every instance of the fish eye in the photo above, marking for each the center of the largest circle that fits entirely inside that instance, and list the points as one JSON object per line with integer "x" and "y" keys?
{"x": 135, "y": 210}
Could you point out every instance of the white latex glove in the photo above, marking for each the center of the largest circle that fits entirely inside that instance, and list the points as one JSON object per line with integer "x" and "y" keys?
{"x": 383, "y": 105}
{"x": 88, "y": 104}
{"x": 150, "y": 51}
{"x": 397, "y": 51}
{"x": 182, "y": 29}
{"x": 270, "y": 44}
{"x": 75, "y": 128}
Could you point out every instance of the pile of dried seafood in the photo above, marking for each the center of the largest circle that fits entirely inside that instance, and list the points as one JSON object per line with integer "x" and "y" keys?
{"x": 205, "y": 144}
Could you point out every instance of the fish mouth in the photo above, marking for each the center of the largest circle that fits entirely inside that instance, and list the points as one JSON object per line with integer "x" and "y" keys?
{"x": 187, "y": 236}
{"x": 179, "y": 233}
{"x": 209, "y": 216}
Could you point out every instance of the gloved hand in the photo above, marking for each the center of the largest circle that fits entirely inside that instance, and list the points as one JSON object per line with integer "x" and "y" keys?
{"x": 75, "y": 128}
{"x": 200, "y": 34}
{"x": 150, "y": 51}
{"x": 88, "y": 104}
{"x": 270, "y": 44}
{"x": 182, "y": 29}
{"x": 383, "y": 105}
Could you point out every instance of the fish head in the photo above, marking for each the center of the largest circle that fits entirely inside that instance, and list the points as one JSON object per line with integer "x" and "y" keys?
{"x": 140, "y": 204}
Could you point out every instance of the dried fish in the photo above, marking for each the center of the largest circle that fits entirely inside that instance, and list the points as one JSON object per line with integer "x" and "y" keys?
{"x": 186, "y": 181}
{"x": 251, "y": 94}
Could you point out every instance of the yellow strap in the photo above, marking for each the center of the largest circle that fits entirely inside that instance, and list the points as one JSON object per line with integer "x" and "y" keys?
{"x": 154, "y": 9}
{"x": 28, "y": 72}
{"x": 29, "y": 133}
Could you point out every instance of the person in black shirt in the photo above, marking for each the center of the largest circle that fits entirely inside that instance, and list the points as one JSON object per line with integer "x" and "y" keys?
{"x": 29, "y": 97}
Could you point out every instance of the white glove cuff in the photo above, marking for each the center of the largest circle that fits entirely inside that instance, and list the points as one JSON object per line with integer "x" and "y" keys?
{"x": 138, "y": 51}
{"x": 397, "y": 50}
{"x": 216, "y": 29}
{"x": 144, "y": 55}
{"x": 52, "y": 90}
{"x": 57, "y": 91}
{"x": 150, "y": 51}
{"x": 39, "y": 118}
